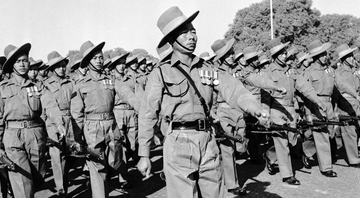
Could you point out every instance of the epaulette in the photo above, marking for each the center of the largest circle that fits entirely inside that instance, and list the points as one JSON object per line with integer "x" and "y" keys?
{"x": 4, "y": 82}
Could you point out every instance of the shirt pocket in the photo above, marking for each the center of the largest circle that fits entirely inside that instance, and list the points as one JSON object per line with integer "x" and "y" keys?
{"x": 316, "y": 80}
{"x": 176, "y": 89}
{"x": 89, "y": 95}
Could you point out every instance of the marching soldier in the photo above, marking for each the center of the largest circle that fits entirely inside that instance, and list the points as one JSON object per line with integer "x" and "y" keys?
{"x": 78, "y": 73}
{"x": 34, "y": 69}
{"x": 282, "y": 109}
{"x": 149, "y": 66}
{"x": 21, "y": 105}
{"x": 43, "y": 73}
{"x": 176, "y": 92}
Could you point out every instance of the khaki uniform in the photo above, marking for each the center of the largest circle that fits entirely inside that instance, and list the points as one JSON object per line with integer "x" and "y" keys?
{"x": 283, "y": 112}
{"x": 92, "y": 108}
{"x": 61, "y": 89}
{"x": 348, "y": 86}
{"x": 23, "y": 130}
{"x": 191, "y": 156}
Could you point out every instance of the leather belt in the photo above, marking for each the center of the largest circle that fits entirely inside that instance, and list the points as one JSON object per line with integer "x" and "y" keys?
{"x": 99, "y": 116}
{"x": 124, "y": 107}
{"x": 285, "y": 102}
{"x": 198, "y": 125}
{"x": 324, "y": 98}
{"x": 22, "y": 124}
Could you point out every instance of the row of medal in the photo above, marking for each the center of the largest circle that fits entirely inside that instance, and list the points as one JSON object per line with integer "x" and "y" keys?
{"x": 33, "y": 91}
{"x": 209, "y": 77}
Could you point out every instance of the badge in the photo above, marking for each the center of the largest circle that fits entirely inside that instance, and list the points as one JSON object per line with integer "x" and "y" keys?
{"x": 216, "y": 80}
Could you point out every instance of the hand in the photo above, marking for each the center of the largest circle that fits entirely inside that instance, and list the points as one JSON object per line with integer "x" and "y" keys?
{"x": 144, "y": 166}
{"x": 263, "y": 116}
{"x": 322, "y": 106}
{"x": 77, "y": 148}
{"x": 62, "y": 132}
{"x": 282, "y": 90}
{"x": 309, "y": 119}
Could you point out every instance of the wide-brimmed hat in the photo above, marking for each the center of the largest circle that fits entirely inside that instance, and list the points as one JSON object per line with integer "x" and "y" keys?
{"x": 276, "y": 46}
{"x": 316, "y": 48}
{"x": 12, "y": 52}
{"x": 2, "y": 60}
{"x": 54, "y": 58}
{"x": 263, "y": 59}
{"x": 87, "y": 49}
{"x": 76, "y": 63}
{"x": 221, "y": 47}
{"x": 131, "y": 59}
{"x": 171, "y": 19}
{"x": 141, "y": 60}
{"x": 250, "y": 52}
{"x": 116, "y": 56}
{"x": 35, "y": 64}
{"x": 301, "y": 56}
{"x": 149, "y": 62}
{"x": 238, "y": 54}
{"x": 164, "y": 51}
{"x": 292, "y": 51}
{"x": 344, "y": 50}
{"x": 206, "y": 56}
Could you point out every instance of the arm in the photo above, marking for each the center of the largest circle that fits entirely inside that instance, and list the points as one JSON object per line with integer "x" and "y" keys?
{"x": 263, "y": 82}
{"x": 126, "y": 93}
{"x": 77, "y": 112}
{"x": 305, "y": 87}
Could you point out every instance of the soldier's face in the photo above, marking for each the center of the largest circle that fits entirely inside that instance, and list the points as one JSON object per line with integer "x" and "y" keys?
{"x": 186, "y": 39}
{"x": 60, "y": 69}
{"x": 32, "y": 74}
{"x": 149, "y": 67}
{"x": 22, "y": 64}
{"x": 97, "y": 60}
{"x": 120, "y": 68}
{"x": 282, "y": 56}
{"x": 229, "y": 57}
{"x": 323, "y": 57}
{"x": 351, "y": 60}
{"x": 142, "y": 67}
{"x": 83, "y": 70}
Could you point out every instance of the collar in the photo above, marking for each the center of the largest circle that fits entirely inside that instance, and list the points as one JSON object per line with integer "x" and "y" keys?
{"x": 27, "y": 83}
{"x": 91, "y": 75}
{"x": 175, "y": 60}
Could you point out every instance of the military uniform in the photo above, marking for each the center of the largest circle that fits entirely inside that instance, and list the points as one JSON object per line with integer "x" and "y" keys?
{"x": 191, "y": 156}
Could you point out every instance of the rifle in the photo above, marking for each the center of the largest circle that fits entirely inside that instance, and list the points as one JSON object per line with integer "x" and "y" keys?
{"x": 86, "y": 150}
{"x": 349, "y": 118}
{"x": 234, "y": 138}
{"x": 271, "y": 129}
{"x": 10, "y": 164}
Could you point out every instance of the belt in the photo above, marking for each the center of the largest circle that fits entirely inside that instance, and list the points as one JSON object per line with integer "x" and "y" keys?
{"x": 124, "y": 107}
{"x": 99, "y": 116}
{"x": 288, "y": 103}
{"x": 22, "y": 124}
{"x": 324, "y": 98}
{"x": 65, "y": 112}
{"x": 198, "y": 125}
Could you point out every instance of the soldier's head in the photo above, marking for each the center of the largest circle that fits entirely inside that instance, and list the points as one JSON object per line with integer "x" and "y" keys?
{"x": 57, "y": 64}
{"x": 164, "y": 52}
{"x": 142, "y": 64}
{"x": 93, "y": 57}
{"x": 278, "y": 51}
{"x": 301, "y": 59}
{"x": 251, "y": 56}
{"x": 263, "y": 61}
{"x": 132, "y": 62}
{"x": 118, "y": 61}
{"x": 239, "y": 58}
{"x": 224, "y": 51}
{"x": 34, "y": 68}
{"x": 318, "y": 52}
{"x": 178, "y": 30}
{"x": 346, "y": 55}
{"x": 291, "y": 56}
{"x": 149, "y": 65}
{"x": 17, "y": 59}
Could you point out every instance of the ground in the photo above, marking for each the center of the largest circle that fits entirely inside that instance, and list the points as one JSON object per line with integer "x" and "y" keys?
{"x": 254, "y": 178}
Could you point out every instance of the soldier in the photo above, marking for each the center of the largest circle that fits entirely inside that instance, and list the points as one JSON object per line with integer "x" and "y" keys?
{"x": 283, "y": 111}
{"x": 322, "y": 79}
{"x": 191, "y": 156}
{"x": 34, "y": 69}
{"x": 78, "y": 73}
{"x": 141, "y": 66}
{"x": 149, "y": 66}
{"x": 349, "y": 102}
{"x": 61, "y": 88}
{"x": 239, "y": 60}
{"x": 43, "y": 73}
{"x": 22, "y": 128}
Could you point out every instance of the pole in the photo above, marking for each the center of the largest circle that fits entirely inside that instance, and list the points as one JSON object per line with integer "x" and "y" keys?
{"x": 271, "y": 20}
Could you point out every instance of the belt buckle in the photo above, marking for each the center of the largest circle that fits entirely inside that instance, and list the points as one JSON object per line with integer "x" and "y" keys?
{"x": 201, "y": 124}
{"x": 25, "y": 125}
{"x": 104, "y": 116}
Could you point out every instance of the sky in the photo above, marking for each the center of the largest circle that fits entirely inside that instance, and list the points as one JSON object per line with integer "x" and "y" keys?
{"x": 64, "y": 25}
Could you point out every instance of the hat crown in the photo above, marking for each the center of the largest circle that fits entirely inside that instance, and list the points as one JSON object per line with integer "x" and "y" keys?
{"x": 204, "y": 54}
{"x": 85, "y": 46}
{"x": 274, "y": 43}
{"x": 31, "y": 60}
{"x": 114, "y": 54}
{"x": 171, "y": 16}
{"x": 300, "y": 55}
{"x": 263, "y": 58}
{"x": 342, "y": 48}
{"x": 52, "y": 55}
{"x": 77, "y": 57}
{"x": 313, "y": 45}
{"x": 9, "y": 49}
{"x": 163, "y": 48}
{"x": 248, "y": 50}
{"x": 217, "y": 45}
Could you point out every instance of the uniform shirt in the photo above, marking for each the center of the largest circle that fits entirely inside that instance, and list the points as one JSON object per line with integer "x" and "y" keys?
{"x": 61, "y": 89}
{"x": 346, "y": 81}
{"x": 132, "y": 87}
{"x": 321, "y": 78}
{"x": 169, "y": 94}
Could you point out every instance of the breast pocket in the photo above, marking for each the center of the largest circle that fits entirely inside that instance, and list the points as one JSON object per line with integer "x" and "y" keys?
{"x": 89, "y": 95}
{"x": 34, "y": 101}
{"x": 316, "y": 80}
{"x": 176, "y": 89}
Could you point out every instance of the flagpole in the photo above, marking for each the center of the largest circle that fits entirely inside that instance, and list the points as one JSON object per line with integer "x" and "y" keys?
{"x": 271, "y": 20}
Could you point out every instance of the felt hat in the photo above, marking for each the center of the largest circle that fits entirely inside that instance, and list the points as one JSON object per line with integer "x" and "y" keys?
{"x": 316, "y": 48}
{"x": 12, "y": 52}
{"x": 115, "y": 57}
{"x": 206, "y": 56}
{"x": 301, "y": 56}
{"x": 250, "y": 52}
{"x": 130, "y": 59}
{"x": 263, "y": 59}
{"x": 344, "y": 50}
{"x": 221, "y": 47}
{"x": 164, "y": 52}
{"x": 54, "y": 58}
{"x": 292, "y": 51}
{"x": 87, "y": 49}
{"x": 76, "y": 63}
{"x": 171, "y": 19}
{"x": 141, "y": 60}
{"x": 238, "y": 55}
{"x": 35, "y": 64}
{"x": 276, "y": 46}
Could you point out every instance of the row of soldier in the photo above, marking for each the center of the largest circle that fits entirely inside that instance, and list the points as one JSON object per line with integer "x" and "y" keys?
{"x": 99, "y": 108}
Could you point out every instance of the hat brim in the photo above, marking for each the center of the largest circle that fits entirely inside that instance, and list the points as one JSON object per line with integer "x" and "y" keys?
{"x": 227, "y": 47}
{"x": 238, "y": 56}
{"x": 324, "y": 47}
{"x": 252, "y": 56}
{"x": 283, "y": 45}
{"x": 164, "y": 40}
{"x": 36, "y": 64}
{"x": 9, "y": 63}
{"x": 116, "y": 59}
{"x": 53, "y": 63}
{"x": 86, "y": 59}
{"x": 75, "y": 65}
{"x": 264, "y": 61}
{"x": 348, "y": 51}
{"x": 130, "y": 60}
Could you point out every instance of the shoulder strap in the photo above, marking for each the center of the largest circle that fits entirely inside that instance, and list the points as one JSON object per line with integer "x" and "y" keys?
{"x": 202, "y": 100}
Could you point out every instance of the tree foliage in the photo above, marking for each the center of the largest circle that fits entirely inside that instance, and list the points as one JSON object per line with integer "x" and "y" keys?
{"x": 294, "y": 21}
